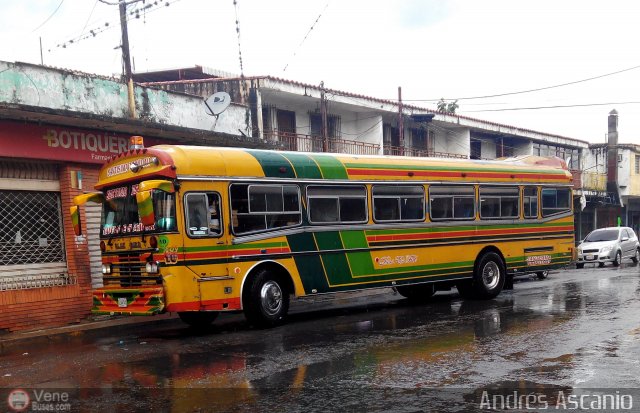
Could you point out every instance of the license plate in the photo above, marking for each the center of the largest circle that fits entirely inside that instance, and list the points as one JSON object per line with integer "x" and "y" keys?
{"x": 122, "y": 302}
{"x": 589, "y": 257}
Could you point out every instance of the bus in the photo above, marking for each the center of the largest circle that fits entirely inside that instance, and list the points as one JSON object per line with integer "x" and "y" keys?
{"x": 203, "y": 230}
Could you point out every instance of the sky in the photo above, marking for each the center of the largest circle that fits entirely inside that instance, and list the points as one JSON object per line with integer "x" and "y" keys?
{"x": 432, "y": 49}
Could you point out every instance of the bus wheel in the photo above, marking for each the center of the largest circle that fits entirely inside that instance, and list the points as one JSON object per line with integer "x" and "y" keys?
{"x": 542, "y": 275}
{"x": 420, "y": 292}
{"x": 266, "y": 301}
{"x": 198, "y": 319}
{"x": 489, "y": 276}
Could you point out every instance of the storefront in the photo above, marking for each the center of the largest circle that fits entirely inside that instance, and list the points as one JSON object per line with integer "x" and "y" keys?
{"x": 46, "y": 272}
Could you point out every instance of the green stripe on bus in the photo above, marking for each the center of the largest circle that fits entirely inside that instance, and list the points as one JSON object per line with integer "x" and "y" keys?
{"x": 304, "y": 166}
{"x": 361, "y": 263}
{"x": 273, "y": 164}
{"x": 331, "y": 167}
{"x": 335, "y": 263}
{"x": 309, "y": 266}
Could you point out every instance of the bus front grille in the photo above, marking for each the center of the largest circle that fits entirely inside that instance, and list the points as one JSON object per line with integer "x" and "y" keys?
{"x": 129, "y": 271}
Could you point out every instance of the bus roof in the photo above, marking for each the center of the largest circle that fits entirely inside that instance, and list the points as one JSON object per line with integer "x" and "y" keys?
{"x": 180, "y": 161}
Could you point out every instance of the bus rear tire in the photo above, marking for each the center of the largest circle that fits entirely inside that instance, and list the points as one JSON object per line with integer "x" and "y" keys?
{"x": 542, "y": 275}
{"x": 489, "y": 276}
{"x": 417, "y": 293}
{"x": 266, "y": 300}
{"x": 198, "y": 319}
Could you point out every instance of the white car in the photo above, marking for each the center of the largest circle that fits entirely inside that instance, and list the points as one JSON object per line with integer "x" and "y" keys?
{"x": 608, "y": 245}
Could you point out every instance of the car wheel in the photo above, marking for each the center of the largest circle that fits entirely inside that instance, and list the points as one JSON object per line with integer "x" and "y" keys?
{"x": 417, "y": 293}
{"x": 636, "y": 257}
{"x": 579, "y": 265}
{"x": 542, "y": 275}
{"x": 601, "y": 264}
{"x": 617, "y": 259}
{"x": 197, "y": 319}
{"x": 266, "y": 301}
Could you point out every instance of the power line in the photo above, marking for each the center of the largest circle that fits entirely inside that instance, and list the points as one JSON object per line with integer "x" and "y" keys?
{"x": 151, "y": 7}
{"x": 235, "y": 5}
{"x": 531, "y": 90}
{"x": 554, "y": 107}
{"x": 306, "y": 35}
{"x": 49, "y": 18}
{"x": 89, "y": 18}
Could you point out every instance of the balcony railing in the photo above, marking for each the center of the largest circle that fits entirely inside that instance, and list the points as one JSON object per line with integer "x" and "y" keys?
{"x": 288, "y": 141}
{"x": 590, "y": 181}
{"x": 419, "y": 152}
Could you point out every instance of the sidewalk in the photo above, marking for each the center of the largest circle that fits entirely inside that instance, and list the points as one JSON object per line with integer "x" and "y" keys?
{"x": 100, "y": 324}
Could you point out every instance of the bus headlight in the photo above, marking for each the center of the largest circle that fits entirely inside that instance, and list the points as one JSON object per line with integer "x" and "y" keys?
{"x": 152, "y": 267}
{"x": 106, "y": 269}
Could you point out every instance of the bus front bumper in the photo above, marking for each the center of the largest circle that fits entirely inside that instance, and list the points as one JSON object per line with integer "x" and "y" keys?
{"x": 128, "y": 301}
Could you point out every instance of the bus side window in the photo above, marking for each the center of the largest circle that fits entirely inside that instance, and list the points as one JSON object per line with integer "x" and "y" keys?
{"x": 203, "y": 214}
{"x": 531, "y": 202}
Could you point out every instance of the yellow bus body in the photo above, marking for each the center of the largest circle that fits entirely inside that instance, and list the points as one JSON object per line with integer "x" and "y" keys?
{"x": 209, "y": 274}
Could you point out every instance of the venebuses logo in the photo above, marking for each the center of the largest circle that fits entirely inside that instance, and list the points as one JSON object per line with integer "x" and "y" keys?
{"x": 18, "y": 400}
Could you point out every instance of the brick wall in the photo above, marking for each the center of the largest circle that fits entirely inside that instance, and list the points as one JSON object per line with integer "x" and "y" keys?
{"x": 37, "y": 308}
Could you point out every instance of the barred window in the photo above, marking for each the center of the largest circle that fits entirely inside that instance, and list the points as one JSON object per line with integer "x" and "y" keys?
{"x": 257, "y": 208}
{"x": 398, "y": 203}
{"x": 555, "y": 201}
{"x": 452, "y": 202}
{"x": 530, "y": 202}
{"x": 337, "y": 204}
{"x": 30, "y": 228}
{"x": 499, "y": 202}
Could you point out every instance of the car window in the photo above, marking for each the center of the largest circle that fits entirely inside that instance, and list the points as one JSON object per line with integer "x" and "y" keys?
{"x": 603, "y": 235}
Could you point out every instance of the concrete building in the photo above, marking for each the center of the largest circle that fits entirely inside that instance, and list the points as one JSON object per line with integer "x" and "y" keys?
{"x": 57, "y": 127}
{"x": 304, "y": 117}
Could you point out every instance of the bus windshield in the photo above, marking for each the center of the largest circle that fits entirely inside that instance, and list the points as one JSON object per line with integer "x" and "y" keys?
{"x": 120, "y": 212}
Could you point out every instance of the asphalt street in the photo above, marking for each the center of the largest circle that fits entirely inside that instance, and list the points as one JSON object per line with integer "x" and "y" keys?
{"x": 577, "y": 332}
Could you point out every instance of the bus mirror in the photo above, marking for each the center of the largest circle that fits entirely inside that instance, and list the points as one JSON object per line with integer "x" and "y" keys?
{"x": 145, "y": 201}
{"x": 96, "y": 197}
{"x": 159, "y": 184}
{"x": 75, "y": 220}
{"x": 145, "y": 208}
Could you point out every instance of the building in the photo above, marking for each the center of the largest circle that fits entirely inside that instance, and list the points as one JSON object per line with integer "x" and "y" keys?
{"x": 56, "y": 129}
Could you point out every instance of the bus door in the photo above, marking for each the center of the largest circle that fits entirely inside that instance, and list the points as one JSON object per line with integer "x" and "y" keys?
{"x": 205, "y": 241}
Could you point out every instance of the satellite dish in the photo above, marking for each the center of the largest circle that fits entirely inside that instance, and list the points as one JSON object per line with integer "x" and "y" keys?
{"x": 217, "y": 103}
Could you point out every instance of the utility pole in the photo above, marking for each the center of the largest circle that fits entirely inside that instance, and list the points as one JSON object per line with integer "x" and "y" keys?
{"x": 126, "y": 58}
{"x": 323, "y": 115}
{"x": 400, "y": 123}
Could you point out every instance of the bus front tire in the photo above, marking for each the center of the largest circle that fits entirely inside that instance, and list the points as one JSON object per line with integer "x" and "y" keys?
{"x": 198, "y": 319}
{"x": 266, "y": 301}
{"x": 417, "y": 293}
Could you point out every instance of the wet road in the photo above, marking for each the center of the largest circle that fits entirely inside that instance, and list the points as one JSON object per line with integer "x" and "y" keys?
{"x": 577, "y": 329}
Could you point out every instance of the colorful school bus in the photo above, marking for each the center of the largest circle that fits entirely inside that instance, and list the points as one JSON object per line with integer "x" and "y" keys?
{"x": 203, "y": 230}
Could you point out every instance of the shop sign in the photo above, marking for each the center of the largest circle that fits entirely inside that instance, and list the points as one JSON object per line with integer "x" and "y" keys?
{"x": 61, "y": 143}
